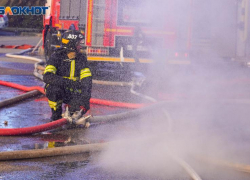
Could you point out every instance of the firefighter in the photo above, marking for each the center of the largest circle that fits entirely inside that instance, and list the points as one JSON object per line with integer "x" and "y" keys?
{"x": 67, "y": 76}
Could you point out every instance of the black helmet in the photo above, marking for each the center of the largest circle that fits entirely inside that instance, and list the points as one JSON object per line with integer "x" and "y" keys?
{"x": 71, "y": 39}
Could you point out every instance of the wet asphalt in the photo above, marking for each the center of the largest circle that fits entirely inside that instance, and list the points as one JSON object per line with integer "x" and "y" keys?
{"x": 7, "y": 33}
{"x": 209, "y": 116}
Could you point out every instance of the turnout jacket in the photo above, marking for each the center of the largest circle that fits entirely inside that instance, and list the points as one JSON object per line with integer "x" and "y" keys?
{"x": 73, "y": 74}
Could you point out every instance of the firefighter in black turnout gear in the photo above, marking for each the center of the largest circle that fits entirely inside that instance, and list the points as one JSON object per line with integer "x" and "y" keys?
{"x": 67, "y": 76}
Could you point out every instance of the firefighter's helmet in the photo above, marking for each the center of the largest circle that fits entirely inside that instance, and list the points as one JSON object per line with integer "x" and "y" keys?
{"x": 71, "y": 39}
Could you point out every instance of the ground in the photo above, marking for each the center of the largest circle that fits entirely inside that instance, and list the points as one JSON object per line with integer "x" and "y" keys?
{"x": 204, "y": 121}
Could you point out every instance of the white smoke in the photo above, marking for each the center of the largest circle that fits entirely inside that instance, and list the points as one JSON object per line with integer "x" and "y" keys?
{"x": 201, "y": 123}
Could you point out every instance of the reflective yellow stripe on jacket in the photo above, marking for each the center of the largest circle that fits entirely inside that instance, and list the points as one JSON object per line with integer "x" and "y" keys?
{"x": 85, "y": 73}
{"x": 72, "y": 71}
{"x": 50, "y": 68}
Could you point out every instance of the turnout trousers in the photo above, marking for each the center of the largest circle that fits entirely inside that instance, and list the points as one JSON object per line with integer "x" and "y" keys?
{"x": 57, "y": 96}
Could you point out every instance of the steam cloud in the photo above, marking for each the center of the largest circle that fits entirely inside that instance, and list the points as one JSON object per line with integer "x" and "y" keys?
{"x": 204, "y": 120}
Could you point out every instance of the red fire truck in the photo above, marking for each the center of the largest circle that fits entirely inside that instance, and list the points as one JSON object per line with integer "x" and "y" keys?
{"x": 121, "y": 30}
{"x": 142, "y": 31}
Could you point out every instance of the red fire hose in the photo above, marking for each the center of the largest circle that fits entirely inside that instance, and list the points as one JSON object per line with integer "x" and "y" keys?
{"x": 55, "y": 124}
{"x": 33, "y": 129}
{"x": 21, "y": 87}
{"x": 116, "y": 104}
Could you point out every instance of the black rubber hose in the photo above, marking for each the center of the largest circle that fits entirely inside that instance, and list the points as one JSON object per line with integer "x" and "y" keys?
{"x": 19, "y": 98}
{"x": 126, "y": 115}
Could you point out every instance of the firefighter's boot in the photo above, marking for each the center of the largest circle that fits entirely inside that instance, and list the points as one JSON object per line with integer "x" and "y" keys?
{"x": 56, "y": 109}
{"x": 56, "y": 114}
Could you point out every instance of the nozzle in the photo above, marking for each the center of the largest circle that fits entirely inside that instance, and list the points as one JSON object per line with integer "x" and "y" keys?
{"x": 83, "y": 121}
